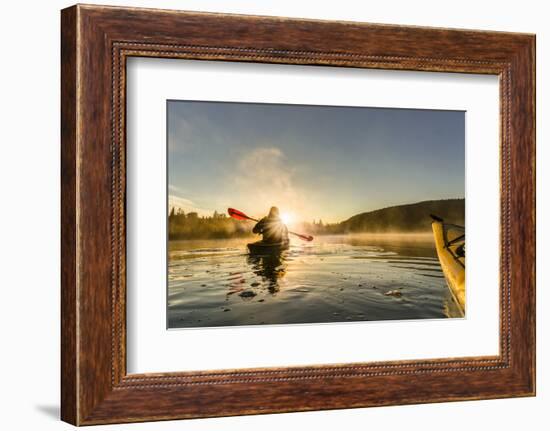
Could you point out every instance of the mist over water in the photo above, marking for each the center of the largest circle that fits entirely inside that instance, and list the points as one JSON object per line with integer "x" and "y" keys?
{"x": 337, "y": 278}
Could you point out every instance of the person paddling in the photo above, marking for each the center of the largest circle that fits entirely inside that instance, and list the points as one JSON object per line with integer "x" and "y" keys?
{"x": 239, "y": 215}
{"x": 272, "y": 228}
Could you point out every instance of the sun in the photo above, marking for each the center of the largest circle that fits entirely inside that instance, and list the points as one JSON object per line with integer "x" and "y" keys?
{"x": 287, "y": 218}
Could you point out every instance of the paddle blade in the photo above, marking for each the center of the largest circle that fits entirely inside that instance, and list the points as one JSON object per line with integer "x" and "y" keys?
{"x": 304, "y": 237}
{"x": 238, "y": 215}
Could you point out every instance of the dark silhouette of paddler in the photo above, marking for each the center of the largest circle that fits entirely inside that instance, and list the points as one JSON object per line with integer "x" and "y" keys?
{"x": 272, "y": 228}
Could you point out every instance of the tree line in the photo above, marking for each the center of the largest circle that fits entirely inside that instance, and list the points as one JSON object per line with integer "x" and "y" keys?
{"x": 401, "y": 218}
{"x": 190, "y": 225}
{"x": 216, "y": 226}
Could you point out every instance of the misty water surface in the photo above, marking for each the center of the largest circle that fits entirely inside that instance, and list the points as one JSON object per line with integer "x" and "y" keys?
{"x": 332, "y": 279}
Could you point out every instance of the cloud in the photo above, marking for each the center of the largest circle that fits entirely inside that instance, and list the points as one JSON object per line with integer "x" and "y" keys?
{"x": 265, "y": 178}
{"x": 186, "y": 205}
{"x": 173, "y": 188}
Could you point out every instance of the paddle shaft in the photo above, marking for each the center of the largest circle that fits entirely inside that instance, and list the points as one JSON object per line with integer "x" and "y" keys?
{"x": 293, "y": 233}
{"x": 243, "y": 215}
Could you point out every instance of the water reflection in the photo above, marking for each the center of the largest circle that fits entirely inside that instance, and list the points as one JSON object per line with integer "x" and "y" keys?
{"x": 216, "y": 283}
{"x": 271, "y": 267}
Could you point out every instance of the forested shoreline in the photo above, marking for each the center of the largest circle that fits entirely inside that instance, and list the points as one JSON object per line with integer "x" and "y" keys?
{"x": 401, "y": 218}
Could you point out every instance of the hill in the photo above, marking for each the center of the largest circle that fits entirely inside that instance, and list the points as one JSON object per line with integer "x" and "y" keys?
{"x": 405, "y": 218}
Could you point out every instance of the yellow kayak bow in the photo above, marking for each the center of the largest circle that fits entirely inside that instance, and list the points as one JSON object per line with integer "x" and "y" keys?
{"x": 450, "y": 245}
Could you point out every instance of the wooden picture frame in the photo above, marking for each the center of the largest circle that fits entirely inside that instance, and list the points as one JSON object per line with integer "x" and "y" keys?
{"x": 95, "y": 43}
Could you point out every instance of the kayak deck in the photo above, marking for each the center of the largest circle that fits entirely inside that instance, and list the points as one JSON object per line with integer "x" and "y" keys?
{"x": 261, "y": 247}
{"x": 450, "y": 246}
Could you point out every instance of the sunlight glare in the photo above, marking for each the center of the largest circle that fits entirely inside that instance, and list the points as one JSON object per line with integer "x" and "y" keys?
{"x": 287, "y": 218}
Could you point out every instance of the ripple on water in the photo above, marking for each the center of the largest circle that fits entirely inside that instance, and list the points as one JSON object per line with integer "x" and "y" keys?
{"x": 309, "y": 283}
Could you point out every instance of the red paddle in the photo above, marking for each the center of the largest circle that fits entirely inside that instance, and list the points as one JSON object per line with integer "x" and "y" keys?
{"x": 238, "y": 215}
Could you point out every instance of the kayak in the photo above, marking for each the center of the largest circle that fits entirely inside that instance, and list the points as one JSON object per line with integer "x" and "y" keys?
{"x": 266, "y": 248}
{"x": 450, "y": 243}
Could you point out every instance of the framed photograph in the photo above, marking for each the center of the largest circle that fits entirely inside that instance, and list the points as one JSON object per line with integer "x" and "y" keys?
{"x": 266, "y": 215}
{"x": 329, "y": 164}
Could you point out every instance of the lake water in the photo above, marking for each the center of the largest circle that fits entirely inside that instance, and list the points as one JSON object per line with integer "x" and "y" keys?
{"x": 332, "y": 279}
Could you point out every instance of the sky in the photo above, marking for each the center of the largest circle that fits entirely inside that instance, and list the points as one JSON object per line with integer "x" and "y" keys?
{"x": 313, "y": 162}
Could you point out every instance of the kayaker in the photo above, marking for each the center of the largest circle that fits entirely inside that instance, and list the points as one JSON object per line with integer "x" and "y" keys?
{"x": 272, "y": 228}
